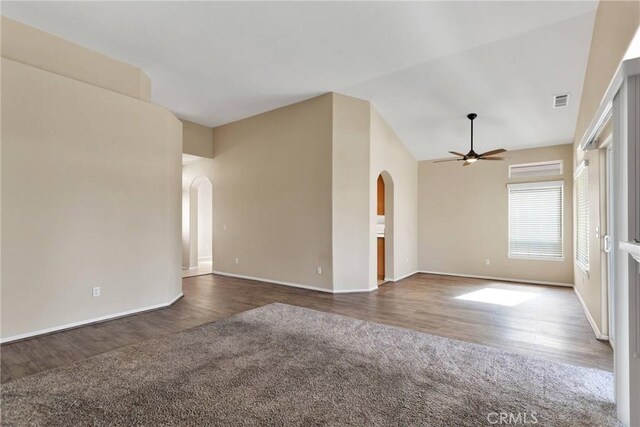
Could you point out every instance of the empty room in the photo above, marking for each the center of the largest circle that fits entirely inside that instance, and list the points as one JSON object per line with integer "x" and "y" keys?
{"x": 320, "y": 213}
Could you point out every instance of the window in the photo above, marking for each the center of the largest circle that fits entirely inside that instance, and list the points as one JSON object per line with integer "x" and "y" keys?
{"x": 535, "y": 220}
{"x": 529, "y": 170}
{"x": 582, "y": 217}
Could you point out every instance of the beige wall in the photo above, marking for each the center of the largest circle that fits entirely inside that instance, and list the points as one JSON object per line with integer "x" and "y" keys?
{"x": 588, "y": 284}
{"x": 272, "y": 192}
{"x": 364, "y": 146}
{"x": 33, "y": 47}
{"x": 463, "y": 218}
{"x": 351, "y": 194}
{"x": 390, "y": 155}
{"x": 90, "y": 197}
{"x": 615, "y": 25}
{"x": 197, "y": 140}
{"x": 295, "y": 188}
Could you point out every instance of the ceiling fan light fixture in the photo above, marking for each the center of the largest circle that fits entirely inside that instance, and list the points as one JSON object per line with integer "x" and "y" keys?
{"x": 472, "y": 156}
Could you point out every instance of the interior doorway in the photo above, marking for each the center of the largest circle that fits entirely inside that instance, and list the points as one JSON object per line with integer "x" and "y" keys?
{"x": 384, "y": 228}
{"x": 197, "y": 218}
{"x": 380, "y": 229}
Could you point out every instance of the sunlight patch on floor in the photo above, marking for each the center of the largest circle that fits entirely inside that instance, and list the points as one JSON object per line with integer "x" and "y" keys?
{"x": 498, "y": 296}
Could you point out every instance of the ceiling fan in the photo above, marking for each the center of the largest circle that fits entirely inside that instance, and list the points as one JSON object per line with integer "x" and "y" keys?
{"x": 472, "y": 156}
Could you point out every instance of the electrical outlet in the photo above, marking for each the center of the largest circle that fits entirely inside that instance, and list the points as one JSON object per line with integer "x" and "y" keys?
{"x": 319, "y": 270}
{"x": 237, "y": 260}
{"x": 96, "y": 291}
{"x": 487, "y": 261}
{"x": 407, "y": 261}
{"x": 224, "y": 227}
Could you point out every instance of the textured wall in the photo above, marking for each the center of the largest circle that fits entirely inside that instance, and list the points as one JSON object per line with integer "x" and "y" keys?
{"x": 463, "y": 217}
{"x": 90, "y": 197}
{"x": 31, "y": 46}
{"x": 272, "y": 195}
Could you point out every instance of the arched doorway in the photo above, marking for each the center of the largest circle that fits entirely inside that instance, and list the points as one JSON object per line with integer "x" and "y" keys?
{"x": 199, "y": 233}
{"x": 384, "y": 227}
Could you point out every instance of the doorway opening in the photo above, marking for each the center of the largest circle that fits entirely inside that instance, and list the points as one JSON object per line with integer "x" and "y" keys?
{"x": 384, "y": 228}
{"x": 197, "y": 218}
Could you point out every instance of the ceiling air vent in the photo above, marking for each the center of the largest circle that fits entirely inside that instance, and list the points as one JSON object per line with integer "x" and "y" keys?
{"x": 561, "y": 100}
{"x": 528, "y": 170}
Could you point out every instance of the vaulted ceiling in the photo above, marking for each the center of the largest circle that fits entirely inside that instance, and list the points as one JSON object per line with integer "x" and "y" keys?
{"x": 423, "y": 65}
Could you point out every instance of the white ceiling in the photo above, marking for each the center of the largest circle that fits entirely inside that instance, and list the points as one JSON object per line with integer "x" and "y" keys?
{"x": 424, "y": 65}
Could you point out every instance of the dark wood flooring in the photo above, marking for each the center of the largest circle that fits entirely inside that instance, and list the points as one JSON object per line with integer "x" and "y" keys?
{"x": 552, "y": 325}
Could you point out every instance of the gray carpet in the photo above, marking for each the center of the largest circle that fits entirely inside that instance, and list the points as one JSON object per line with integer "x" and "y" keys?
{"x": 285, "y": 365}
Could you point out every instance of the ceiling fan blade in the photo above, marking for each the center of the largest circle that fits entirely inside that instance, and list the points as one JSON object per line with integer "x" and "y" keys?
{"x": 492, "y": 158}
{"x": 446, "y": 160}
{"x": 492, "y": 152}
{"x": 457, "y": 154}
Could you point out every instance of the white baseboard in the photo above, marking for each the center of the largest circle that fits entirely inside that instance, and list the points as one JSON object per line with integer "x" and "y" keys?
{"x": 275, "y": 282}
{"x": 405, "y": 276}
{"x": 596, "y": 330}
{"x": 397, "y": 279}
{"x": 295, "y": 285}
{"x": 352, "y": 291}
{"x": 502, "y": 279}
{"x": 88, "y": 321}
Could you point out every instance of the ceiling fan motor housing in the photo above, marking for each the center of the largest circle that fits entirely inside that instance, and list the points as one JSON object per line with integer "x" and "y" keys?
{"x": 472, "y": 156}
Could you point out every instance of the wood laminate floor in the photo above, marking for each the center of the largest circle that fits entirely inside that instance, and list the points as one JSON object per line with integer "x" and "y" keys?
{"x": 548, "y": 323}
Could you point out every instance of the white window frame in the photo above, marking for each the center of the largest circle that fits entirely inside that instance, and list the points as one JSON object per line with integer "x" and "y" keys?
{"x": 543, "y": 169}
{"x": 583, "y": 168}
{"x": 540, "y": 184}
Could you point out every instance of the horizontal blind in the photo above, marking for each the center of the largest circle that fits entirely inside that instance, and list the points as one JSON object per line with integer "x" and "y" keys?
{"x": 535, "y": 220}
{"x": 582, "y": 211}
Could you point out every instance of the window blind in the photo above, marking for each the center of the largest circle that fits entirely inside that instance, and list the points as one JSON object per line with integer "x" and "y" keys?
{"x": 535, "y": 220}
{"x": 582, "y": 217}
